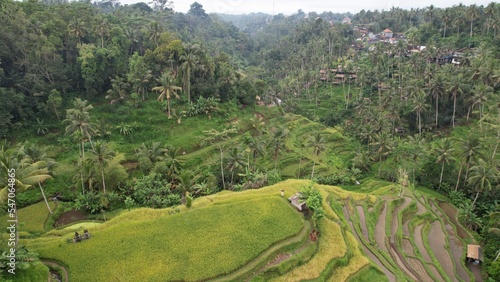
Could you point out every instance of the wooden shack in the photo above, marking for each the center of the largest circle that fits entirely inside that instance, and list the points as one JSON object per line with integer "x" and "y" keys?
{"x": 297, "y": 201}
{"x": 474, "y": 252}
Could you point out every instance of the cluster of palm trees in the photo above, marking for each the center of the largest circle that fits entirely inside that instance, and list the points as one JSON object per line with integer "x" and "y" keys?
{"x": 80, "y": 127}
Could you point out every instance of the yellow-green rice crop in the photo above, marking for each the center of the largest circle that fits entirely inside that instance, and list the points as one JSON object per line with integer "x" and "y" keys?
{"x": 191, "y": 245}
{"x": 331, "y": 246}
{"x": 356, "y": 263}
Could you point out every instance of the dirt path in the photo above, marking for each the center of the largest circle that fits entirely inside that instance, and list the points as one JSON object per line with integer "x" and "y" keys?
{"x": 380, "y": 230}
{"x": 437, "y": 239}
{"x": 65, "y": 274}
{"x": 362, "y": 222}
{"x": 366, "y": 251}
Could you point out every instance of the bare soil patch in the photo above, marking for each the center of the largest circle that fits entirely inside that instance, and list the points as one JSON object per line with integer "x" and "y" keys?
{"x": 434, "y": 271}
{"x": 390, "y": 276}
{"x": 408, "y": 247}
{"x": 419, "y": 268}
{"x": 476, "y": 270}
{"x": 417, "y": 235}
{"x": 380, "y": 229}
{"x": 437, "y": 239}
{"x": 451, "y": 212}
{"x": 362, "y": 221}
{"x": 401, "y": 262}
{"x": 456, "y": 246}
{"x": 131, "y": 165}
{"x": 69, "y": 217}
{"x": 395, "y": 219}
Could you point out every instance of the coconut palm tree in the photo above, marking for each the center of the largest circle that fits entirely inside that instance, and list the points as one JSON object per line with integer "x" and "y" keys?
{"x": 102, "y": 29}
{"x": 190, "y": 63}
{"x": 317, "y": 142}
{"x": 383, "y": 145}
{"x": 420, "y": 105}
{"x": 78, "y": 119}
{"x": 277, "y": 143}
{"x": 444, "y": 151}
{"x": 437, "y": 90}
{"x": 23, "y": 174}
{"x": 32, "y": 153}
{"x": 472, "y": 14}
{"x": 77, "y": 28}
{"x": 470, "y": 150}
{"x": 235, "y": 161}
{"x": 101, "y": 155}
{"x": 482, "y": 176}
{"x": 166, "y": 89}
{"x": 481, "y": 94}
{"x": 457, "y": 85}
{"x": 186, "y": 183}
{"x": 174, "y": 164}
{"x": 150, "y": 153}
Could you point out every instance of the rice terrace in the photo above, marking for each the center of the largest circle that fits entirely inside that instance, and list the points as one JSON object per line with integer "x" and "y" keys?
{"x": 259, "y": 236}
{"x": 249, "y": 141}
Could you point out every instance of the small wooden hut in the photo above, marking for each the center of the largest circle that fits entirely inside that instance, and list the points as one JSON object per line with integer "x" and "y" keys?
{"x": 297, "y": 201}
{"x": 474, "y": 252}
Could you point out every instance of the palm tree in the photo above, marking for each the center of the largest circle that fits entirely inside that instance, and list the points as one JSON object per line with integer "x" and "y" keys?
{"x": 489, "y": 11}
{"x": 317, "y": 142}
{"x": 155, "y": 29}
{"x": 118, "y": 91}
{"x": 173, "y": 162}
{"x": 78, "y": 119}
{"x": 444, "y": 151}
{"x": 235, "y": 161}
{"x": 166, "y": 89}
{"x": 437, "y": 90}
{"x": 383, "y": 146}
{"x": 481, "y": 94}
{"x": 456, "y": 86}
{"x": 470, "y": 150}
{"x": 186, "y": 183}
{"x": 101, "y": 155}
{"x": 77, "y": 28}
{"x": 277, "y": 143}
{"x": 32, "y": 153}
{"x": 102, "y": 29}
{"x": 481, "y": 178}
{"x": 472, "y": 14}
{"x": 150, "y": 153}
{"x": 420, "y": 105}
{"x": 256, "y": 147}
{"x": 190, "y": 63}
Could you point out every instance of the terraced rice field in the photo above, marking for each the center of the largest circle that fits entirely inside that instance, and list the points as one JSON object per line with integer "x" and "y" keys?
{"x": 362, "y": 236}
{"x": 417, "y": 241}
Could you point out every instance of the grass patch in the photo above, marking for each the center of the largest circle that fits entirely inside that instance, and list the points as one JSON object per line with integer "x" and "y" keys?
{"x": 36, "y": 272}
{"x": 368, "y": 273}
{"x": 183, "y": 246}
{"x": 31, "y": 219}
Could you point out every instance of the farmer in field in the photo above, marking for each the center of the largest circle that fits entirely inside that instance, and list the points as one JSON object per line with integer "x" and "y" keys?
{"x": 77, "y": 237}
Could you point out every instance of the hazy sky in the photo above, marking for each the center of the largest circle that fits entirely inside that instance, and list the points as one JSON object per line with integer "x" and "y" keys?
{"x": 292, "y": 6}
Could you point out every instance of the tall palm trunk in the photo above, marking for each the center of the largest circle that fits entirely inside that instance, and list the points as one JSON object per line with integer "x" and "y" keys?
{"x": 44, "y": 198}
{"x": 458, "y": 178}
{"x": 442, "y": 171}
{"x": 454, "y": 109}
{"x": 222, "y": 169}
{"x": 475, "y": 199}
{"x": 103, "y": 182}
